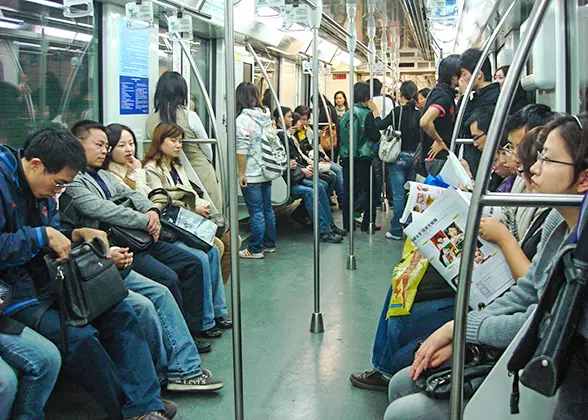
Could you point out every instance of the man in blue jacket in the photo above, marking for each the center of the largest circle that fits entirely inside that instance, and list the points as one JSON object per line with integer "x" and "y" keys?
{"x": 116, "y": 370}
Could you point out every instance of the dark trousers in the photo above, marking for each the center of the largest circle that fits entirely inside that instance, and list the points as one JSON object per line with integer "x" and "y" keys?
{"x": 362, "y": 170}
{"x": 110, "y": 359}
{"x": 181, "y": 272}
{"x": 572, "y": 401}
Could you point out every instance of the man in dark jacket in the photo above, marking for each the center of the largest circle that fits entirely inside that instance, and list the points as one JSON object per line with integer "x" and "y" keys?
{"x": 116, "y": 370}
{"x": 485, "y": 96}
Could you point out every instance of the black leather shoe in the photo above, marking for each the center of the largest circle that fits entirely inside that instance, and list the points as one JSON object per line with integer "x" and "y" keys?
{"x": 331, "y": 237}
{"x": 339, "y": 231}
{"x": 223, "y": 324}
{"x": 211, "y": 333}
{"x": 170, "y": 409}
{"x": 203, "y": 346}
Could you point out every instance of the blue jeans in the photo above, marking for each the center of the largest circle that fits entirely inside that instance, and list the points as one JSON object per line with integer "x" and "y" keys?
{"x": 116, "y": 370}
{"x": 258, "y": 198}
{"x": 339, "y": 183}
{"x": 399, "y": 173}
{"x": 398, "y": 337}
{"x": 174, "y": 352}
{"x": 304, "y": 191}
{"x": 215, "y": 303}
{"x": 37, "y": 360}
{"x": 181, "y": 272}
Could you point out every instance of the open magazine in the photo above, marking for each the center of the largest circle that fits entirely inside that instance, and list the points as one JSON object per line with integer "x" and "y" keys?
{"x": 439, "y": 234}
{"x": 200, "y": 226}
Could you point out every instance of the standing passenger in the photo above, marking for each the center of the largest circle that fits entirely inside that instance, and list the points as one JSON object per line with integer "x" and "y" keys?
{"x": 341, "y": 104}
{"x": 171, "y": 96}
{"x": 256, "y": 189}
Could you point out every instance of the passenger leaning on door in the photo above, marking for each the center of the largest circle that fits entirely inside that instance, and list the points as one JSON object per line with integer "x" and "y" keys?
{"x": 94, "y": 193}
{"x": 117, "y": 370}
{"x": 256, "y": 188}
{"x": 171, "y": 99}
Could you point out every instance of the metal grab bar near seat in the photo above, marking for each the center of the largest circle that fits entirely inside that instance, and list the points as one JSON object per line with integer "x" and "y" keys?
{"x": 480, "y": 199}
{"x": 466, "y": 95}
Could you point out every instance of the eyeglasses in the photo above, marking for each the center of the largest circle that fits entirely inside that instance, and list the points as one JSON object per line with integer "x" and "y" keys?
{"x": 59, "y": 185}
{"x": 475, "y": 139}
{"x": 541, "y": 158}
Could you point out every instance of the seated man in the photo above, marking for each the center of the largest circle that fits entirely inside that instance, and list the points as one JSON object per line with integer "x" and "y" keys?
{"x": 35, "y": 360}
{"x": 115, "y": 370}
{"x": 92, "y": 192}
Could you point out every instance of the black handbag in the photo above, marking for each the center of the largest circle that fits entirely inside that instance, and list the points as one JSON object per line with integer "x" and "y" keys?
{"x": 544, "y": 352}
{"x": 88, "y": 283}
{"x": 480, "y": 360}
{"x": 5, "y": 296}
{"x": 137, "y": 240}
{"x": 186, "y": 226}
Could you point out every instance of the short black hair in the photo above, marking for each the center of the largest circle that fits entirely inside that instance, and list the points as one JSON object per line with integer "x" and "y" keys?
{"x": 469, "y": 59}
{"x": 295, "y": 117}
{"x": 303, "y": 110}
{"x": 482, "y": 116}
{"x": 448, "y": 68}
{"x": 377, "y": 87}
{"x": 361, "y": 92}
{"x": 57, "y": 149}
{"x": 530, "y": 116}
{"x": 424, "y": 92}
{"x": 82, "y": 128}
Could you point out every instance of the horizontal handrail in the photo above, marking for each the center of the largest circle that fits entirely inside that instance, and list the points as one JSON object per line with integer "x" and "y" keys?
{"x": 531, "y": 200}
{"x": 198, "y": 141}
{"x": 464, "y": 141}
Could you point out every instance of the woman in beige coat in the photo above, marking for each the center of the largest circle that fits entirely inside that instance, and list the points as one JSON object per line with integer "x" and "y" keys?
{"x": 171, "y": 96}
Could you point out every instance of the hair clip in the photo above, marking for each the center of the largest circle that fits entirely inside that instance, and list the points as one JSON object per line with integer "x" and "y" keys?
{"x": 579, "y": 122}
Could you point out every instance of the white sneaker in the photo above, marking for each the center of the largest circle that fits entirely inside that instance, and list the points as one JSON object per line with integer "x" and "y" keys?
{"x": 202, "y": 383}
{"x": 395, "y": 237}
{"x": 250, "y": 255}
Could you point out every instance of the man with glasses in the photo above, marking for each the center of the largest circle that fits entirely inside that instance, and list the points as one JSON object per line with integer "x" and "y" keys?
{"x": 29, "y": 229}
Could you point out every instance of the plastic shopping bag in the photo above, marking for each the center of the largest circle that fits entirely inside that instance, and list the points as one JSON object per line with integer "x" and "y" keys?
{"x": 406, "y": 278}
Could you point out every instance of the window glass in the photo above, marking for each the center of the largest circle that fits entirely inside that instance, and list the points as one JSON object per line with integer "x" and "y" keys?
{"x": 47, "y": 70}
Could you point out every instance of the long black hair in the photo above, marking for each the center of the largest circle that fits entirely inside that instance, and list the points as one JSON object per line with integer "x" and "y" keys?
{"x": 171, "y": 92}
{"x": 247, "y": 97}
{"x": 114, "y": 133}
{"x": 340, "y": 92}
{"x": 410, "y": 91}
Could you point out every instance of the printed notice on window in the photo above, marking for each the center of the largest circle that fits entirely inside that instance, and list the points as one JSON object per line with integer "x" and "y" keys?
{"x": 439, "y": 233}
{"x": 133, "y": 71}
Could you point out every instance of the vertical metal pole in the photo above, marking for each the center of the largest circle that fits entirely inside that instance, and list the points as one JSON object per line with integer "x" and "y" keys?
{"x": 385, "y": 58}
{"x": 372, "y": 55}
{"x": 351, "y": 42}
{"x": 483, "y": 177}
{"x": 233, "y": 208}
{"x": 316, "y": 322}
{"x": 470, "y": 86}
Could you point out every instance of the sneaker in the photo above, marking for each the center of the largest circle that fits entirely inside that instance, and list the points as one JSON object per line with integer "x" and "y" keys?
{"x": 339, "y": 231}
{"x": 358, "y": 219}
{"x": 395, "y": 237}
{"x": 155, "y": 415}
{"x": 269, "y": 250}
{"x": 202, "y": 383}
{"x": 331, "y": 237}
{"x": 245, "y": 253}
{"x": 206, "y": 373}
{"x": 371, "y": 379}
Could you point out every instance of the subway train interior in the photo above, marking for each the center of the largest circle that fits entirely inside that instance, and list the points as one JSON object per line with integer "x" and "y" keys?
{"x": 466, "y": 118}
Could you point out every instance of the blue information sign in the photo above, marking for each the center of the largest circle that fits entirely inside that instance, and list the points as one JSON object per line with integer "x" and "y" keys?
{"x": 133, "y": 71}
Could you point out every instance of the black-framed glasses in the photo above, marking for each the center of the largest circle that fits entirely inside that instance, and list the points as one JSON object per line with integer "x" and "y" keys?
{"x": 541, "y": 158}
{"x": 60, "y": 185}
{"x": 475, "y": 139}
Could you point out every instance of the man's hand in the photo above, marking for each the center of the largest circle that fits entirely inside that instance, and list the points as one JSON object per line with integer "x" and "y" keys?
{"x": 436, "y": 147}
{"x": 153, "y": 224}
{"x": 87, "y": 235}
{"x": 374, "y": 108}
{"x": 292, "y": 164}
{"x": 59, "y": 243}
{"x": 307, "y": 171}
{"x": 122, "y": 257}
{"x": 424, "y": 355}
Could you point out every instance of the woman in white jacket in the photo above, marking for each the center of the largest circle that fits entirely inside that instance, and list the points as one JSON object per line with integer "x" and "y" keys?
{"x": 257, "y": 189}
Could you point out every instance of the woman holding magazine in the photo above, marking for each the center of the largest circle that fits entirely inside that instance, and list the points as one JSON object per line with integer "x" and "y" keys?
{"x": 397, "y": 338}
{"x": 561, "y": 168}
{"x": 161, "y": 170}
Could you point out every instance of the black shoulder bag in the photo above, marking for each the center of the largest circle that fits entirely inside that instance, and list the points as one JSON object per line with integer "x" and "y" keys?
{"x": 137, "y": 240}
{"x": 543, "y": 353}
{"x": 184, "y": 225}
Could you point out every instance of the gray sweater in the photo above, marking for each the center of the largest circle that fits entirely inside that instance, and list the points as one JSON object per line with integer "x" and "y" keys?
{"x": 498, "y": 324}
{"x": 93, "y": 207}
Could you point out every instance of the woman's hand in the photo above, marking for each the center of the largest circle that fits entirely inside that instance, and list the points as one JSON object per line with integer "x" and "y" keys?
{"x": 436, "y": 147}
{"x": 441, "y": 356}
{"x": 374, "y": 108}
{"x": 424, "y": 355}
{"x": 243, "y": 181}
{"x": 203, "y": 211}
{"x": 135, "y": 163}
{"x": 492, "y": 230}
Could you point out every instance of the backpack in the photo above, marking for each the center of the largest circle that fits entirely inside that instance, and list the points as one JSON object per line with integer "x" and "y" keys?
{"x": 359, "y": 116}
{"x": 273, "y": 161}
{"x": 391, "y": 141}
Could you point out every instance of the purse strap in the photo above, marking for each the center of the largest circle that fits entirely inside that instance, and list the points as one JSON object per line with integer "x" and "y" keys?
{"x": 164, "y": 192}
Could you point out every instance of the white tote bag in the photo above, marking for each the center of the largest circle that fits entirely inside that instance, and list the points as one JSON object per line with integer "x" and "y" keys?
{"x": 391, "y": 141}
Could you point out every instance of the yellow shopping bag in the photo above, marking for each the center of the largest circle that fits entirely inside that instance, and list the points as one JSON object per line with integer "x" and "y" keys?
{"x": 406, "y": 278}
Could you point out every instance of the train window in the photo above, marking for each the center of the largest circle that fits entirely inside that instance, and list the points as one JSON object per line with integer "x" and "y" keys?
{"x": 48, "y": 70}
{"x": 579, "y": 61}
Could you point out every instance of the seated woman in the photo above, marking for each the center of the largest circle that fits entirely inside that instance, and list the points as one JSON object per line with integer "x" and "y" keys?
{"x": 301, "y": 185}
{"x": 561, "y": 168}
{"x": 121, "y": 161}
{"x": 37, "y": 361}
{"x": 398, "y": 337}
